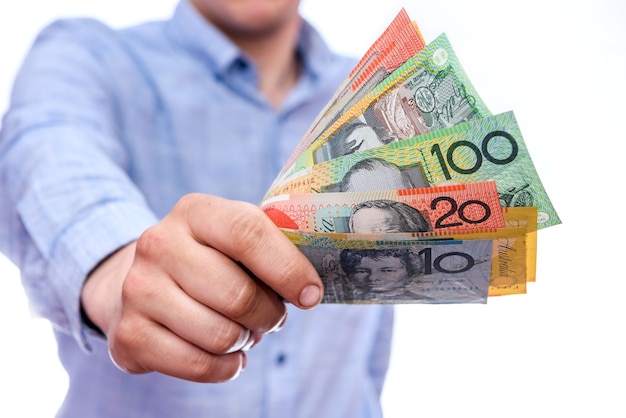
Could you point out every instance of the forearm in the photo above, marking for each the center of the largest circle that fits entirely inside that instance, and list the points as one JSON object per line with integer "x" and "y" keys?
{"x": 67, "y": 200}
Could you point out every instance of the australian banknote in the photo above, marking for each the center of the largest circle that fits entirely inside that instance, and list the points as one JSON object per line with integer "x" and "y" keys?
{"x": 462, "y": 206}
{"x": 400, "y": 41}
{"x": 410, "y": 271}
{"x": 508, "y": 259}
{"x": 489, "y": 148}
{"x": 527, "y": 218}
{"x": 431, "y": 91}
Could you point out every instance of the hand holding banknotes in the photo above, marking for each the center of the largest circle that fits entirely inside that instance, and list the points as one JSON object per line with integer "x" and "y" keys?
{"x": 198, "y": 289}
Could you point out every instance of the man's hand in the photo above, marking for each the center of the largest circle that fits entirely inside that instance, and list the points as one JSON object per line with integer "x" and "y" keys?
{"x": 198, "y": 289}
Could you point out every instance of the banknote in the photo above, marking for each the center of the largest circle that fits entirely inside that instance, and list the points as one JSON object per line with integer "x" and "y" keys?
{"x": 412, "y": 271}
{"x": 430, "y": 92}
{"x": 400, "y": 41}
{"x": 489, "y": 148}
{"x": 527, "y": 217}
{"x": 508, "y": 265}
{"x": 409, "y": 42}
{"x": 508, "y": 259}
{"x": 463, "y": 206}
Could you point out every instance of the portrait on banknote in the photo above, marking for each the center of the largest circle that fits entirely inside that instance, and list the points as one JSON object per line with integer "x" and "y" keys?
{"x": 378, "y": 174}
{"x": 444, "y": 272}
{"x": 386, "y": 216}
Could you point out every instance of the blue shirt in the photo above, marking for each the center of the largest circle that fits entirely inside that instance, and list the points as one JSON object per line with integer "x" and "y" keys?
{"x": 107, "y": 129}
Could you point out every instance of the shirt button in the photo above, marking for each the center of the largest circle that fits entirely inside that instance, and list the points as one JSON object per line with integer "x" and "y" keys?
{"x": 241, "y": 65}
{"x": 281, "y": 359}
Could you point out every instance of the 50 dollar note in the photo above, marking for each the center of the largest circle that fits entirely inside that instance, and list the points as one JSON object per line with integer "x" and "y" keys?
{"x": 429, "y": 92}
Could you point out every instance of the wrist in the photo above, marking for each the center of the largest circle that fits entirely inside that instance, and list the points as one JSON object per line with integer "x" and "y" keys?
{"x": 102, "y": 290}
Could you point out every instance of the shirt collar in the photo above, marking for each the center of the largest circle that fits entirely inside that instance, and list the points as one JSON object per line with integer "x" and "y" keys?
{"x": 201, "y": 38}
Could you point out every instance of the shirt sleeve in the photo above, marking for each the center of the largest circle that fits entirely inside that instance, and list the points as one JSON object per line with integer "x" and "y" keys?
{"x": 67, "y": 200}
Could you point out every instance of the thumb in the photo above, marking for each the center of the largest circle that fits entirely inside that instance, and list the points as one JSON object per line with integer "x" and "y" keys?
{"x": 244, "y": 233}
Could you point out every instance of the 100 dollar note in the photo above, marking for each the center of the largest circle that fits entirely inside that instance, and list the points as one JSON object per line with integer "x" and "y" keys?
{"x": 490, "y": 148}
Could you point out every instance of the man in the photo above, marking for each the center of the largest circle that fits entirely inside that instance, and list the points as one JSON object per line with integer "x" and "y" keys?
{"x": 108, "y": 134}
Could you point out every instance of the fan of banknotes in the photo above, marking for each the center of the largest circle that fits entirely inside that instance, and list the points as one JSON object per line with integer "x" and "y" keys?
{"x": 406, "y": 189}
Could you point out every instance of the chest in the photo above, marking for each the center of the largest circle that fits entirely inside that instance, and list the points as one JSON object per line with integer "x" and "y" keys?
{"x": 187, "y": 131}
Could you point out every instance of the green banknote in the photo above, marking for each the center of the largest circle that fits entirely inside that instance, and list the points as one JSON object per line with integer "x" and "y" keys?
{"x": 429, "y": 92}
{"x": 490, "y": 148}
{"x": 397, "y": 44}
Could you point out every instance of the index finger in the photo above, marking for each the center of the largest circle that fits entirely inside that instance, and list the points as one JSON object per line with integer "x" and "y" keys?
{"x": 244, "y": 233}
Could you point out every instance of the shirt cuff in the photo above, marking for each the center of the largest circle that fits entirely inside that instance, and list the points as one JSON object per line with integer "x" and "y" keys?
{"x": 82, "y": 247}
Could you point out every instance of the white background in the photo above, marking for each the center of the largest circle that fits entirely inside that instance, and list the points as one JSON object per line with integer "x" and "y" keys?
{"x": 558, "y": 351}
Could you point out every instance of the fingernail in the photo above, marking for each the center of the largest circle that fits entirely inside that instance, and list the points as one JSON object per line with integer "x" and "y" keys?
{"x": 242, "y": 341}
{"x": 310, "y": 296}
{"x": 280, "y": 324}
{"x": 243, "y": 361}
{"x": 254, "y": 339}
{"x": 123, "y": 369}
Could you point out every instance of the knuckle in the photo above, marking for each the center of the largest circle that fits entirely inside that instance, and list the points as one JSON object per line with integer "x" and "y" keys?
{"x": 248, "y": 229}
{"x": 187, "y": 201}
{"x": 243, "y": 301}
{"x": 225, "y": 337}
{"x": 151, "y": 242}
{"x": 137, "y": 286}
{"x": 188, "y": 206}
{"x": 123, "y": 343}
{"x": 203, "y": 367}
{"x": 289, "y": 268}
{"x": 287, "y": 275}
